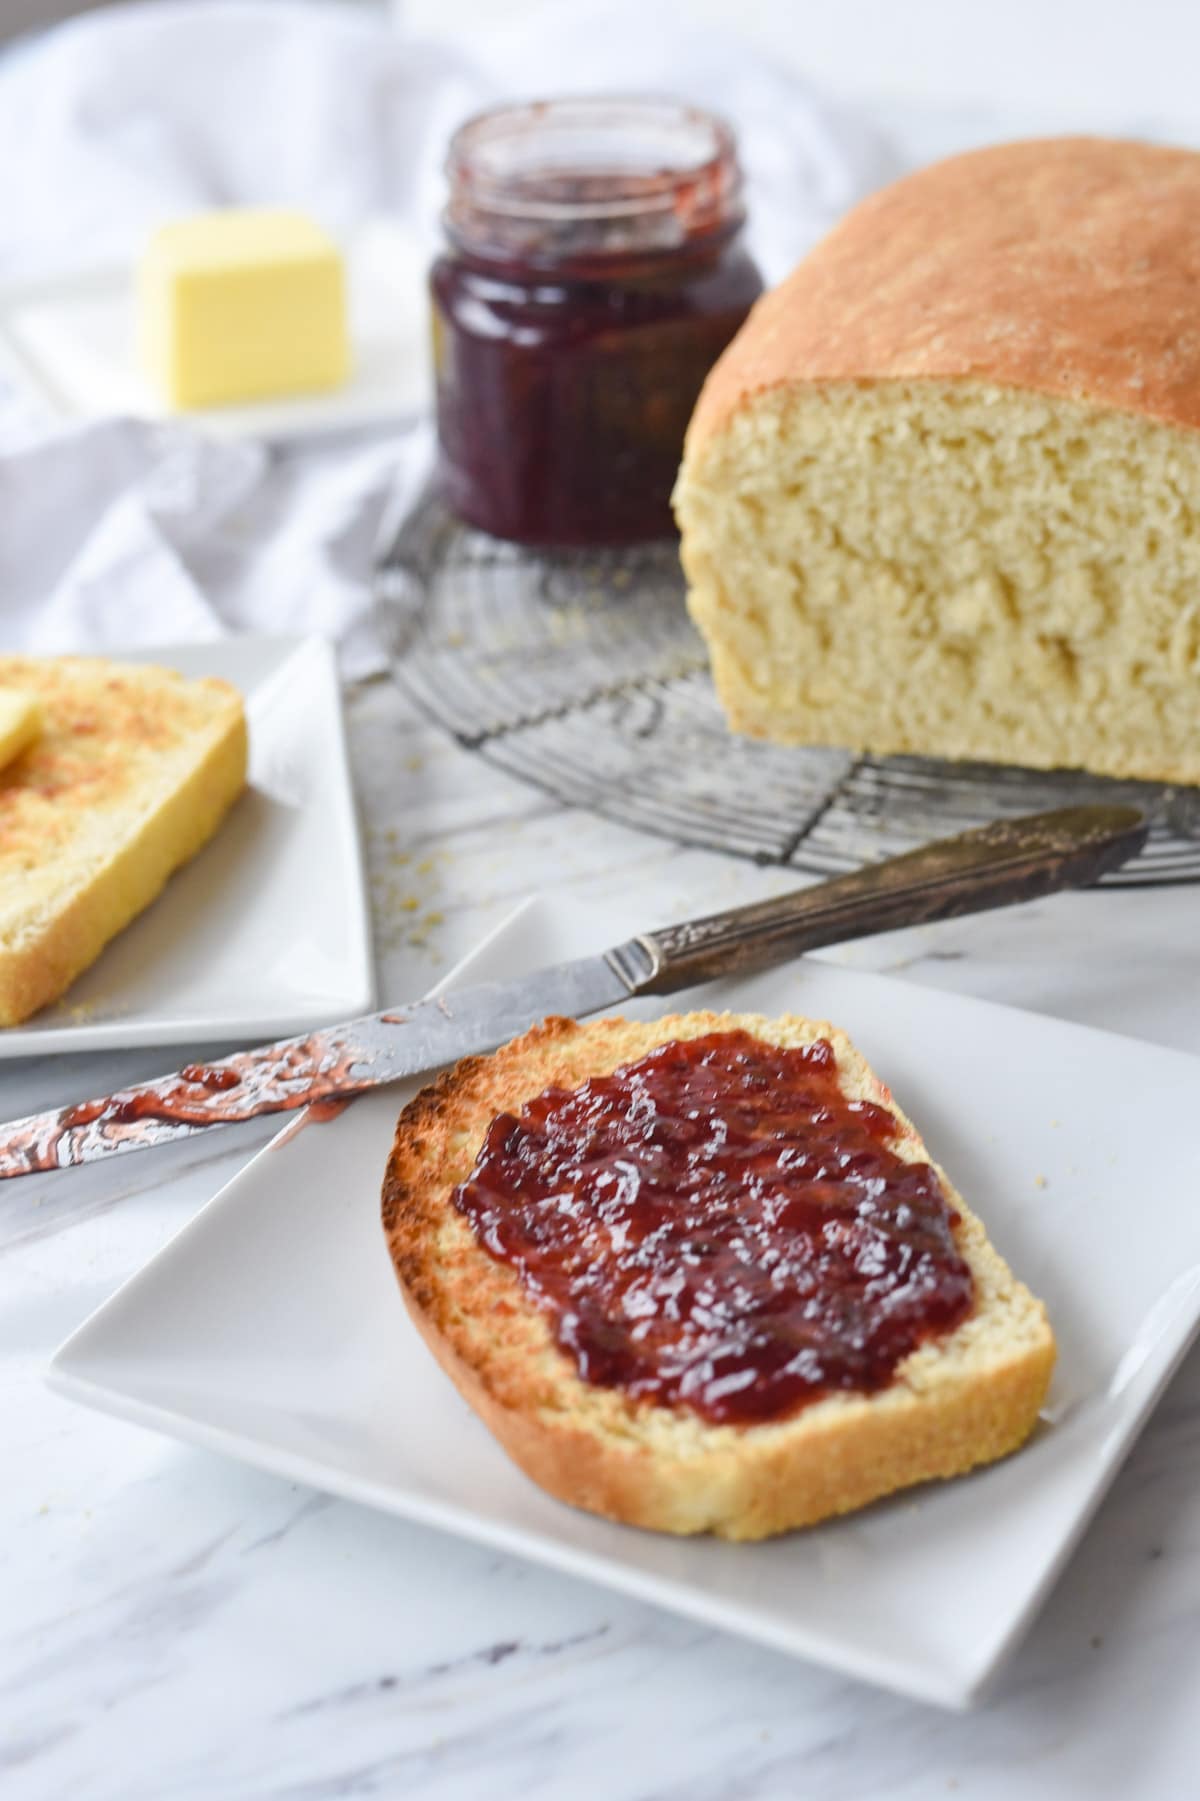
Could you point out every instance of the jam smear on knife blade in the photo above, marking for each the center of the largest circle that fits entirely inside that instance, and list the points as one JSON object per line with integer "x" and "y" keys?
{"x": 240, "y": 1087}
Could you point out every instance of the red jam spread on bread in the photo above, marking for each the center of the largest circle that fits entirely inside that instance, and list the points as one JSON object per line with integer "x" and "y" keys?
{"x": 718, "y": 1225}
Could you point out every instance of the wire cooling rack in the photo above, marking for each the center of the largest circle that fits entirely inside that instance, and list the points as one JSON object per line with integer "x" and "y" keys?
{"x": 580, "y": 672}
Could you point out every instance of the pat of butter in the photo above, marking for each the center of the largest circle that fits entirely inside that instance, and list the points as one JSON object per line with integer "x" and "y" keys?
{"x": 20, "y": 723}
{"x": 241, "y": 305}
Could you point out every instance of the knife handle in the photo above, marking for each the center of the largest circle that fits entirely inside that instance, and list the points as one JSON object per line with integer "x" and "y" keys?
{"x": 1010, "y": 860}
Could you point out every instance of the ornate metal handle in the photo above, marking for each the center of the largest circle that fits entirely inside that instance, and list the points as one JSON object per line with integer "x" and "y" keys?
{"x": 1011, "y": 860}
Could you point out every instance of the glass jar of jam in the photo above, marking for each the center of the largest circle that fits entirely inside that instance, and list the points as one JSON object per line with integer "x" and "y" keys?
{"x": 594, "y": 271}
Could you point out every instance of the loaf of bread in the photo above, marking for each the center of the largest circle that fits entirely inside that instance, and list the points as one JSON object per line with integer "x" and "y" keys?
{"x": 133, "y": 770}
{"x": 941, "y": 495}
{"x": 963, "y": 1398}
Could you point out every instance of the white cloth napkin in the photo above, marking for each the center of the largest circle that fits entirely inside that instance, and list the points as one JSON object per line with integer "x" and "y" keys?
{"x": 123, "y": 532}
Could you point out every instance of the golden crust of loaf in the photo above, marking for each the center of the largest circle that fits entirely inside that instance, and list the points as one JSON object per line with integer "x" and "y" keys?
{"x": 1065, "y": 266}
{"x": 134, "y": 769}
{"x": 962, "y": 1400}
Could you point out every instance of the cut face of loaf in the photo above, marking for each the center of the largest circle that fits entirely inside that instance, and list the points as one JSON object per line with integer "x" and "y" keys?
{"x": 963, "y": 1398}
{"x": 942, "y": 494}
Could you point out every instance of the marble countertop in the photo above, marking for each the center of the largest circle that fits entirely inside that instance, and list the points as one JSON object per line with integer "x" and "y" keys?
{"x": 175, "y": 1625}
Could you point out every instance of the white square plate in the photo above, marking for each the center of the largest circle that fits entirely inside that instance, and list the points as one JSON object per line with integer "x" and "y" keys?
{"x": 208, "y": 959}
{"x": 68, "y": 341}
{"x": 271, "y": 1329}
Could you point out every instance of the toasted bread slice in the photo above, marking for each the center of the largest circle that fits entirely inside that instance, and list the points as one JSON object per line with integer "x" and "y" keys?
{"x": 961, "y": 1399}
{"x": 133, "y": 771}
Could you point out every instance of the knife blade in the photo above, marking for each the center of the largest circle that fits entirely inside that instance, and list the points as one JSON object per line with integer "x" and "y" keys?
{"x": 1010, "y": 860}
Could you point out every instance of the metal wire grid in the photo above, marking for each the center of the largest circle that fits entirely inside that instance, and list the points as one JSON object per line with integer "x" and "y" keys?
{"x": 581, "y": 673}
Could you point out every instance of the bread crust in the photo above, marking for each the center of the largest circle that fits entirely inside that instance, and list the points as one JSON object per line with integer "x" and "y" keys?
{"x": 161, "y": 762}
{"x": 958, "y": 1401}
{"x": 1063, "y": 266}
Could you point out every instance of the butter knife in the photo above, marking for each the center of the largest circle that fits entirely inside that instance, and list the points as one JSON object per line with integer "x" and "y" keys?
{"x": 1011, "y": 860}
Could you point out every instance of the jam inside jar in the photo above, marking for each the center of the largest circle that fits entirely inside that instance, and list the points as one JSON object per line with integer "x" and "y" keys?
{"x": 594, "y": 271}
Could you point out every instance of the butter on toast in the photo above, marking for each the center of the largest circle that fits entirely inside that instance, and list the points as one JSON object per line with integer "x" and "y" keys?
{"x": 134, "y": 769}
{"x": 960, "y": 1398}
{"x": 20, "y": 723}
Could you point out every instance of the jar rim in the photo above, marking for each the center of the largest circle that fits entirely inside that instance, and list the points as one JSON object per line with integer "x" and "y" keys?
{"x": 660, "y": 171}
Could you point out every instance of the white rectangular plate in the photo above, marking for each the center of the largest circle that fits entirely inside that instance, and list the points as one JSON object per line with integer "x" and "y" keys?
{"x": 68, "y": 342}
{"x": 271, "y": 1329}
{"x": 266, "y": 931}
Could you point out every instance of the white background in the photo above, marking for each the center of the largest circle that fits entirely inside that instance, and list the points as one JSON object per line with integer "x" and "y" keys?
{"x": 1071, "y": 62}
{"x": 1084, "y": 59}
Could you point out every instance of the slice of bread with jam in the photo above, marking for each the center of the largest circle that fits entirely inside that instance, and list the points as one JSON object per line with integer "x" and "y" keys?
{"x": 700, "y": 1275}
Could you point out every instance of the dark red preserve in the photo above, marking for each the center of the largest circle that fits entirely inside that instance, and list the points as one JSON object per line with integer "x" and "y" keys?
{"x": 718, "y": 1225}
{"x": 594, "y": 271}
